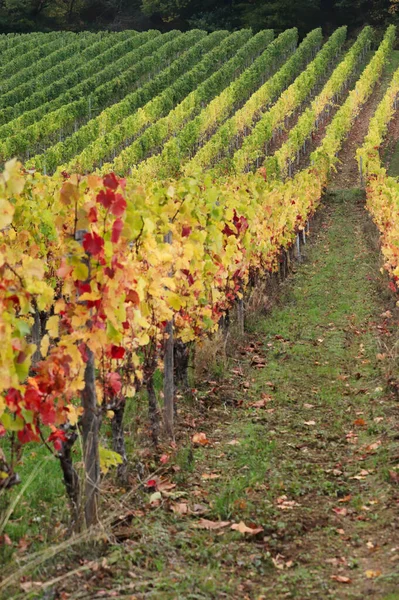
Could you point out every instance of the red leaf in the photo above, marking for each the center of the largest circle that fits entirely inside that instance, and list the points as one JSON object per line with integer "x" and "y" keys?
{"x": 27, "y": 435}
{"x": 93, "y": 215}
{"x": 185, "y": 232}
{"x": 117, "y": 352}
{"x": 106, "y": 197}
{"x": 111, "y": 181}
{"x": 13, "y": 398}
{"x": 93, "y": 243}
{"x": 32, "y": 399}
{"x": 392, "y": 287}
{"x": 133, "y": 297}
{"x": 151, "y": 483}
{"x": 114, "y": 382}
{"x": 116, "y": 230}
{"x": 57, "y": 437}
{"x": 47, "y": 413}
{"x": 118, "y": 206}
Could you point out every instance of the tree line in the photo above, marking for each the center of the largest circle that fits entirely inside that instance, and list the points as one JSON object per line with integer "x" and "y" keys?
{"x": 31, "y": 15}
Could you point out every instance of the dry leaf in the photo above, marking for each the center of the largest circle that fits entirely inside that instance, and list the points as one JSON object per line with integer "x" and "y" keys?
{"x": 155, "y": 499}
{"x": 200, "y": 439}
{"x": 340, "y": 511}
{"x": 211, "y": 525}
{"x": 200, "y": 509}
{"x": 309, "y": 422}
{"x": 286, "y": 504}
{"x": 180, "y": 508}
{"x": 362, "y": 475}
{"x": 341, "y": 579}
{"x": 260, "y": 403}
{"x": 360, "y": 423}
{"x": 372, "y": 574}
{"x": 347, "y": 498}
{"x": 242, "y": 528}
{"x": 210, "y": 476}
{"x": 163, "y": 485}
{"x": 233, "y": 443}
{"x": 371, "y": 448}
{"x": 394, "y": 476}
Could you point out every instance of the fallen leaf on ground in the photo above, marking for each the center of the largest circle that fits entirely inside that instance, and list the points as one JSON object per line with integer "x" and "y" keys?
{"x": 347, "y": 498}
{"x": 370, "y": 574}
{"x": 210, "y": 476}
{"x": 371, "y": 448}
{"x": 286, "y": 504}
{"x": 211, "y": 525}
{"x": 337, "y": 561}
{"x": 233, "y": 443}
{"x": 340, "y": 511}
{"x": 394, "y": 476}
{"x": 200, "y": 439}
{"x": 359, "y": 423}
{"x": 242, "y": 528}
{"x": 163, "y": 485}
{"x": 341, "y": 579}
{"x": 280, "y": 563}
{"x": 155, "y": 499}
{"x": 200, "y": 509}
{"x": 261, "y": 403}
{"x": 362, "y": 475}
{"x": 309, "y": 422}
{"x": 180, "y": 508}
{"x": 306, "y": 405}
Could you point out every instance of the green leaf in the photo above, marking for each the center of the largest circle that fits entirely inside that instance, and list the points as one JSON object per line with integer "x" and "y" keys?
{"x": 108, "y": 459}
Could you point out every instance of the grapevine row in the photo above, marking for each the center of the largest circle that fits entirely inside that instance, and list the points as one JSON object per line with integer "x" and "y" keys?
{"x": 277, "y": 165}
{"x": 290, "y": 100}
{"x": 97, "y": 127}
{"x": 186, "y": 143}
{"x": 73, "y": 84}
{"x": 42, "y": 131}
{"x": 73, "y": 46}
{"x": 244, "y": 119}
{"x": 338, "y": 129}
{"x": 170, "y": 125}
{"x": 134, "y": 124}
{"x": 382, "y": 190}
{"x": 43, "y": 80}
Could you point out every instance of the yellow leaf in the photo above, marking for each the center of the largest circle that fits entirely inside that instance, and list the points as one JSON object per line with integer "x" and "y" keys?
{"x": 372, "y": 574}
{"x": 13, "y": 177}
{"x": 33, "y": 267}
{"x": 81, "y": 272}
{"x": 144, "y": 339}
{"x": 44, "y": 345}
{"x": 74, "y": 413}
{"x": 174, "y": 301}
{"x": 6, "y": 213}
{"x": 52, "y": 326}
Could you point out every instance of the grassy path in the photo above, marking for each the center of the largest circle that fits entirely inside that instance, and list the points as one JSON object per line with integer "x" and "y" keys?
{"x": 313, "y": 467}
{"x": 315, "y": 464}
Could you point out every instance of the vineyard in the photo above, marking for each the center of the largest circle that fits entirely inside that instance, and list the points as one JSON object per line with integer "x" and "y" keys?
{"x": 158, "y": 193}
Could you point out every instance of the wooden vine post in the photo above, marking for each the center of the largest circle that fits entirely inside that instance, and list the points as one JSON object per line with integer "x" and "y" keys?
{"x": 169, "y": 386}
{"x": 90, "y": 426}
